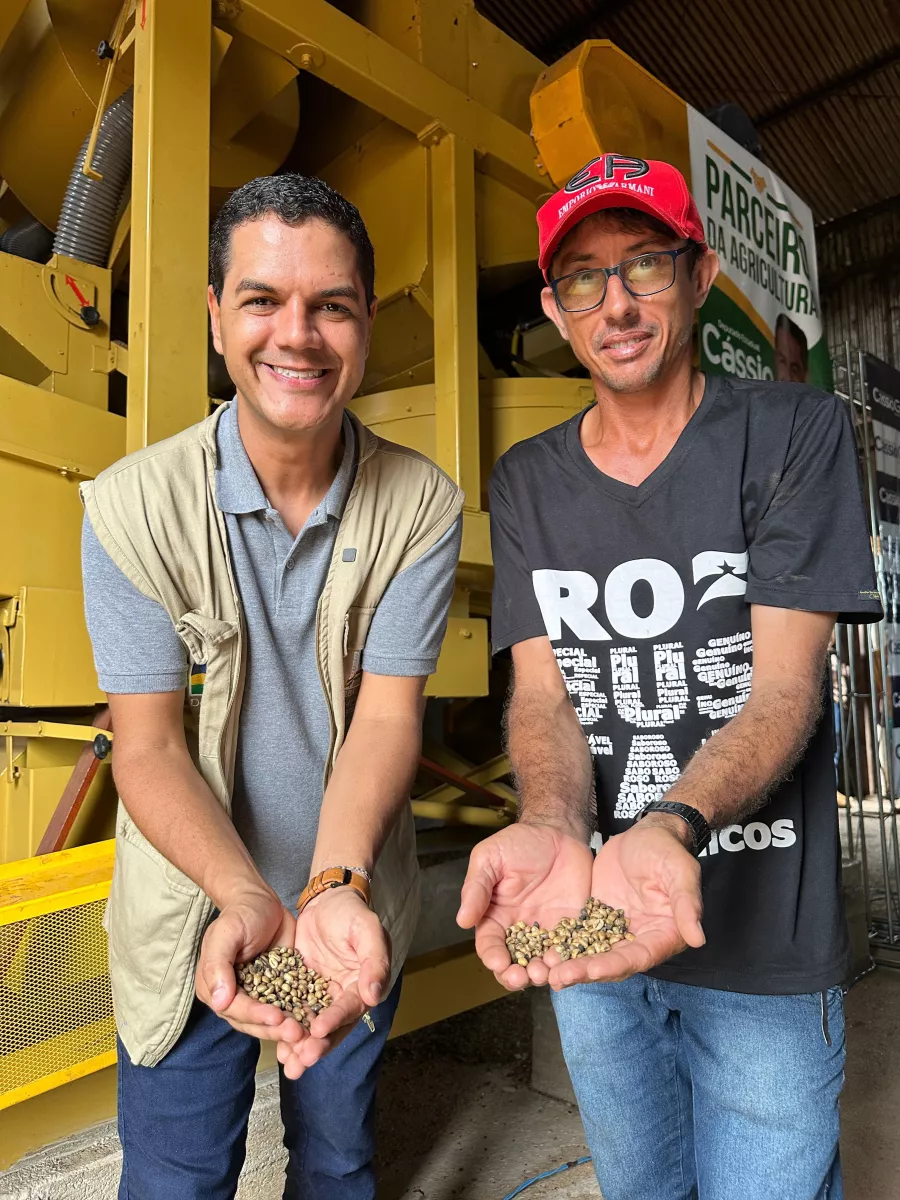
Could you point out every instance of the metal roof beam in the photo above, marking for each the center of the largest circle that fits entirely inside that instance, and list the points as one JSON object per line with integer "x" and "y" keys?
{"x": 831, "y": 87}
{"x": 858, "y": 216}
{"x": 574, "y": 32}
{"x": 883, "y": 267}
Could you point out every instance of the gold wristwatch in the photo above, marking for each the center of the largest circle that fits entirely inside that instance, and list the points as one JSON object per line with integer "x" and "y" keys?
{"x": 335, "y": 877}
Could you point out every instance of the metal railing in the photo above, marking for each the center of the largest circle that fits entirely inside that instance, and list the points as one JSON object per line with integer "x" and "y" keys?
{"x": 862, "y": 692}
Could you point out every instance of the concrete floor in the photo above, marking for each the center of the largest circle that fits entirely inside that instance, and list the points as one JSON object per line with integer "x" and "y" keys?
{"x": 871, "y": 1102}
{"x": 458, "y": 1119}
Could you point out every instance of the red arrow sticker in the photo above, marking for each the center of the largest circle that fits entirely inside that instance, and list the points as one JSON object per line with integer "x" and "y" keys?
{"x": 75, "y": 288}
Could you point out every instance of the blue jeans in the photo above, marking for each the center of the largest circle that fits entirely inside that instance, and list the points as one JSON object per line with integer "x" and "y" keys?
{"x": 687, "y": 1093}
{"x": 183, "y": 1123}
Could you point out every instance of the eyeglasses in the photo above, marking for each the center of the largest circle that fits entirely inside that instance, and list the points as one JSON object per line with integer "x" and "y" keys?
{"x": 644, "y": 275}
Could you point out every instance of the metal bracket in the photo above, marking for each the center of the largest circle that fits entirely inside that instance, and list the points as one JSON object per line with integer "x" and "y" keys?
{"x": 107, "y": 359}
{"x": 433, "y": 133}
{"x": 113, "y": 51}
{"x": 68, "y": 293}
{"x": 12, "y": 771}
{"x": 9, "y": 613}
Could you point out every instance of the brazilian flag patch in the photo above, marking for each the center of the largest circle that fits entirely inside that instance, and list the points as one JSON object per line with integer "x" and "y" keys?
{"x": 198, "y": 678}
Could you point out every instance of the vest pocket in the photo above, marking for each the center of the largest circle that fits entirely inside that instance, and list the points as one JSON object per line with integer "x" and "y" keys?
{"x": 356, "y": 630}
{"x": 149, "y": 904}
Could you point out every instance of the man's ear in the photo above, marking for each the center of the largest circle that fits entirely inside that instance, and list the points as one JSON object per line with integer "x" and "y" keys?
{"x": 705, "y": 273}
{"x": 213, "y": 305}
{"x": 553, "y": 311}
{"x": 373, "y": 309}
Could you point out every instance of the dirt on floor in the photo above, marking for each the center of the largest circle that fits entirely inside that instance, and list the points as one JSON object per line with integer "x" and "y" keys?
{"x": 457, "y": 1117}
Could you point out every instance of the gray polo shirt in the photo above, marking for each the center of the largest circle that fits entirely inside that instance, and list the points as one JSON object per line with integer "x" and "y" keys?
{"x": 284, "y": 728}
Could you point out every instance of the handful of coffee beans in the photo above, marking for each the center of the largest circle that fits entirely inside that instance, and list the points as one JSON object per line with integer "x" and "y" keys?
{"x": 279, "y": 976}
{"x": 595, "y": 930}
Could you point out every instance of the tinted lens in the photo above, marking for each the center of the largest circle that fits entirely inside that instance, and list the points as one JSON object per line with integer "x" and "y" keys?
{"x": 584, "y": 289}
{"x": 648, "y": 274}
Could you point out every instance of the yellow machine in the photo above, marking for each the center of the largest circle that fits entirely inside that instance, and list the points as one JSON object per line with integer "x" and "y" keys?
{"x": 122, "y": 126}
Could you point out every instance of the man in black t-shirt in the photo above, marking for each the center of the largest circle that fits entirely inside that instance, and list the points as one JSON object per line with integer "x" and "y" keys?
{"x": 668, "y": 568}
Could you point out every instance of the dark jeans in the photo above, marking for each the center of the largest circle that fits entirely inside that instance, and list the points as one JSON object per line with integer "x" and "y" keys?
{"x": 183, "y": 1123}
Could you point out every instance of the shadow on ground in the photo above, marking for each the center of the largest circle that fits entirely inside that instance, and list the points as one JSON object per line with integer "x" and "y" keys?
{"x": 457, "y": 1117}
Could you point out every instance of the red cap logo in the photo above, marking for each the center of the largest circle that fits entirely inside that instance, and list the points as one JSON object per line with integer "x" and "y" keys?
{"x": 615, "y": 181}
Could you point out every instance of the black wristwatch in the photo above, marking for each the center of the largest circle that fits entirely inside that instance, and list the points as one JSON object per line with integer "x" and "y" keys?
{"x": 695, "y": 819}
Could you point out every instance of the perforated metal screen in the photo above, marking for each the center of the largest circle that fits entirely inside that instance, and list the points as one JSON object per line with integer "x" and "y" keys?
{"x": 56, "y": 1012}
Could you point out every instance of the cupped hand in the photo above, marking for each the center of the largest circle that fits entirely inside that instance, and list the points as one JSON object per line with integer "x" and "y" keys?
{"x": 339, "y": 936}
{"x": 648, "y": 873}
{"x": 253, "y": 922}
{"x": 523, "y": 873}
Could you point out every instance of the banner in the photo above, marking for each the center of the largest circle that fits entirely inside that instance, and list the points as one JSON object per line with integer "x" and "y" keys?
{"x": 762, "y": 319}
{"x": 883, "y": 390}
{"x": 883, "y": 385}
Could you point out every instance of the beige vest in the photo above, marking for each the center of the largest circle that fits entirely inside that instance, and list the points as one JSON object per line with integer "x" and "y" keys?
{"x": 155, "y": 514}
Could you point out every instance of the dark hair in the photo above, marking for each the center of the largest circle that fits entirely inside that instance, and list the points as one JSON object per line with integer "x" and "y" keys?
{"x": 634, "y": 220}
{"x": 293, "y": 199}
{"x": 794, "y": 330}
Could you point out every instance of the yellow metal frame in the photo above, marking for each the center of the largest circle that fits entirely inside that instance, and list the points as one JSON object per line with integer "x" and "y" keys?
{"x": 317, "y": 37}
{"x": 442, "y": 803}
{"x": 34, "y": 887}
{"x": 441, "y": 984}
{"x": 167, "y": 348}
{"x": 457, "y": 438}
{"x": 46, "y": 343}
{"x": 50, "y": 882}
{"x": 9, "y": 731}
{"x": 57, "y": 1079}
{"x": 49, "y": 729}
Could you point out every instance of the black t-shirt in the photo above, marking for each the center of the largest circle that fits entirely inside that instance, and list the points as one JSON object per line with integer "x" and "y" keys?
{"x": 645, "y": 594}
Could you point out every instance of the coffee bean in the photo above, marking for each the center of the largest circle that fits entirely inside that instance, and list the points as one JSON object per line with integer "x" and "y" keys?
{"x": 280, "y": 977}
{"x": 595, "y": 930}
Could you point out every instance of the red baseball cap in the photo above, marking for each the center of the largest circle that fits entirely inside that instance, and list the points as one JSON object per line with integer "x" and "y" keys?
{"x": 615, "y": 181}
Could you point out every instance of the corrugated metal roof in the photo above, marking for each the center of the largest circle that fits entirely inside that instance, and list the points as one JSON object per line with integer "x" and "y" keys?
{"x": 859, "y": 274}
{"x": 864, "y": 311}
{"x": 819, "y": 78}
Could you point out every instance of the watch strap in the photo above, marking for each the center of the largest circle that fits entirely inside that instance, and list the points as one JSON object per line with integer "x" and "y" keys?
{"x": 335, "y": 877}
{"x": 695, "y": 820}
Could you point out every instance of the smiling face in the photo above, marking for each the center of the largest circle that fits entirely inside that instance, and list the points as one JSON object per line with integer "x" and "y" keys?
{"x": 629, "y": 343}
{"x": 292, "y": 323}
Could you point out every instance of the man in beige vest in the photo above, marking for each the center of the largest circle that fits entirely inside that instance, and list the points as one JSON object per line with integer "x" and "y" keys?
{"x": 251, "y": 585}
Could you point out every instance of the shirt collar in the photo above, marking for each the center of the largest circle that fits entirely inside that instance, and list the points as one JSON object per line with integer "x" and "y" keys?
{"x": 239, "y": 491}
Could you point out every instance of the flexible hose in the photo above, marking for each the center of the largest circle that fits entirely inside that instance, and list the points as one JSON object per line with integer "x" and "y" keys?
{"x": 90, "y": 208}
{"x": 547, "y": 1175}
{"x": 28, "y": 238}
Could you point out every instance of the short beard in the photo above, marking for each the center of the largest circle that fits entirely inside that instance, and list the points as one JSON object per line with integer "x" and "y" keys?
{"x": 652, "y": 372}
